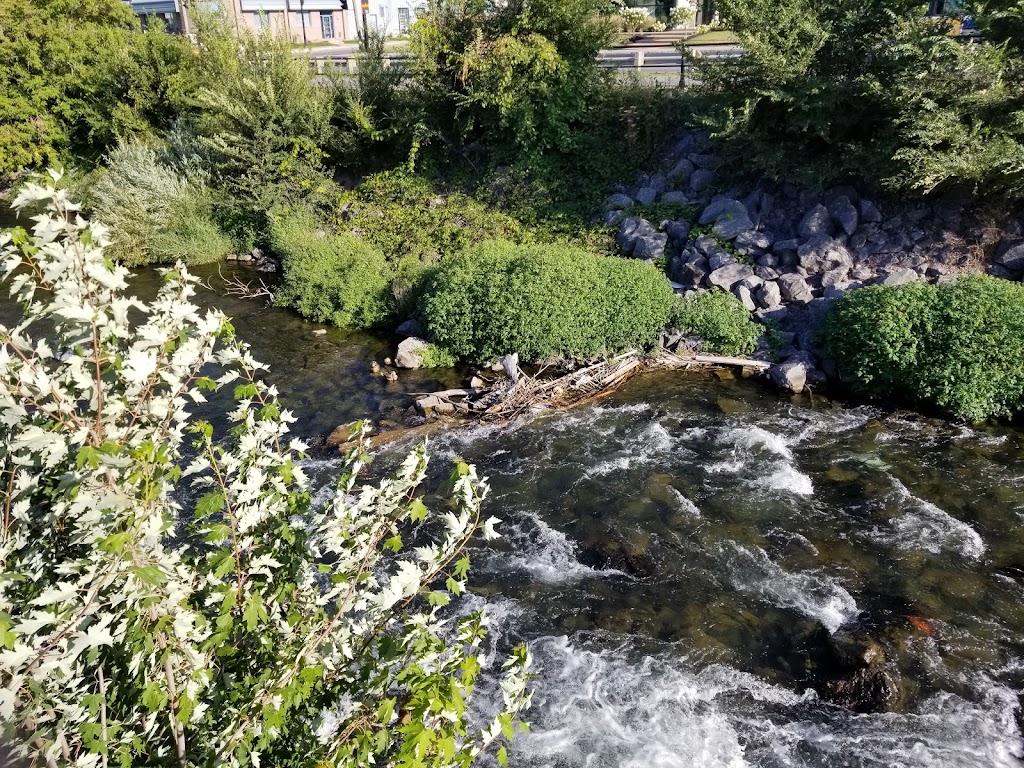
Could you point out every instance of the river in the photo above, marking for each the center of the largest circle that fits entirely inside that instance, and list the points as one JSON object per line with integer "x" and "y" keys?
{"x": 678, "y": 556}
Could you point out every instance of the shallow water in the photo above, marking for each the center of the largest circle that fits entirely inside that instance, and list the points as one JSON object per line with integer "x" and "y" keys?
{"x": 675, "y": 555}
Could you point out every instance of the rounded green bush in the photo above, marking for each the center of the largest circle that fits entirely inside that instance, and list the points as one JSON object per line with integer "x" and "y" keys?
{"x": 543, "y": 301}
{"x": 335, "y": 278}
{"x": 958, "y": 346}
{"x": 720, "y": 320}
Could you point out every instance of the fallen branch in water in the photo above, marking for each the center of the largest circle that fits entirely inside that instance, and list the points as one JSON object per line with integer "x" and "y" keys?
{"x": 521, "y": 393}
{"x": 235, "y": 286}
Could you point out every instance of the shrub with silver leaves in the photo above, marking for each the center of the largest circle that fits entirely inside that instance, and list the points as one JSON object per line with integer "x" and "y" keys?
{"x": 171, "y": 604}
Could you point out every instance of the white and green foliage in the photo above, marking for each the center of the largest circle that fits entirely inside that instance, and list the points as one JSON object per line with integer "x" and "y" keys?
{"x": 156, "y": 213}
{"x": 172, "y": 603}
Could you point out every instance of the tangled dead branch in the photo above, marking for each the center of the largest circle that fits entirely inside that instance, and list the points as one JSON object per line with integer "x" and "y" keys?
{"x": 235, "y": 286}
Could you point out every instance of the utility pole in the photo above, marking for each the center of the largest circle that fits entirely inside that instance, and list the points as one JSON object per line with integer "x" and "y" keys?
{"x": 365, "y": 6}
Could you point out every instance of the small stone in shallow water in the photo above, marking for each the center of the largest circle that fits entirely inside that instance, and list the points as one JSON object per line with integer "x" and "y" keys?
{"x": 837, "y": 474}
{"x": 320, "y": 332}
{"x": 728, "y": 405}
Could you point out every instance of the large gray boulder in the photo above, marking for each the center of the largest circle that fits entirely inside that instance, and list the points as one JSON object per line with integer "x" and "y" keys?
{"x": 650, "y": 247}
{"x": 743, "y": 293}
{"x": 675, "y": 197}
{"x": 869, "y": 212}
{"x": 630, "y": 230}
{"x": 794, "y": 288}
{"x": 677, "y": 231}
{"x": 899, "y": 276}
{"x": 701, "y": 179}
{"x": 791, "y": 375}
{"x": 726, "y": 277}
{"x": 729, "y": 217}
{"x": 823, "y": 253}
{"x": 618, "y": 200}
{"x": 1012, "y": 257}
{"x": 768, "y": 296}
{"x": 752, "y": 243}
{"x": 834, "y": 277}
{"x": 844, "y": 213}
{"x": 817, "y": 222}
{"x": 646, "y": 195}
{"x": 681, "y": 170}
{"x": 613, "y": 217}
{"x": 410, "y": 353}
{"x": 719, "y": 258}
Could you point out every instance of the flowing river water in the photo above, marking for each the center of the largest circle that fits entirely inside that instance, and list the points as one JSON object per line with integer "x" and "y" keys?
{"x": 678, "y": 555}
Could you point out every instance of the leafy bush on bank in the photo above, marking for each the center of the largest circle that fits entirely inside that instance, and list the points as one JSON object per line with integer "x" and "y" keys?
{"x": 328, "y": 277}
{"x": 543, "y": 301}
{"x": 958, "y": 346}
{"x": 155, "y": 213}
{"x": 720, "y": 320}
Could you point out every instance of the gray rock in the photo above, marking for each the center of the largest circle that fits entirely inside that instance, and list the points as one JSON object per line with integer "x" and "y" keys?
{"x": 767, "y": 273}
{"x": 742, "y": 292}
{"x": 701, "y": 179}
{"x": 786, "y": 245}
{"x": 630, "y": 230}
{"x": 729, "y": 216}
{"x": 675, "y": 197}
{"x": 650, "y": 247}
{"x": 612, "y": 218}
{"x": 657, "y": 183}
{"x": 726, "y": 277}
{"x": 768, "y": 296}
{"x": 817, "y": 222}
{"x": 409, "y": 328}
{"x": 410, "y": 353}
{"x": 694, "y": 272}
{"x": 677, "y": 231}
{"x": 681, "y": 170}
{"x": 753, "y": 282}
{"x": 822, "y": 253}
{"x": 618, "y": 200}
{"x": 752, "y": 242}
{"x": 862, "y": 273}
{"x": 1012, "y": 257}
{"x": 844, "y": 213}
{"x": 794, "y": 288}
{"x": 768, "y": 260}
{"x": 834, "y": 277}
{"x": 646, "y": 195}
{"x": 703, "y": 160}
{"x": 791, "y": 375}
{"x": 899, "y": 276}
{"x": 869, "y": 212}
{"x": 719, "y": 259}
{"x": 706, "y": 244}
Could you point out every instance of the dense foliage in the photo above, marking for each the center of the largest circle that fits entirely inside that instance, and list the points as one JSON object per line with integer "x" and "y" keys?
{"x": 958, "y": 346}
{"x": 157, "y": 212}
{"x": 831, "y": 90}
{"x": 331, "y": 277}
{"x": 720, "y": 320}
{"x": 513, "y": 72}
{"x": 543, "y": 301}
{"x": 76, "y": 76}
{"x": 169, "y": 606}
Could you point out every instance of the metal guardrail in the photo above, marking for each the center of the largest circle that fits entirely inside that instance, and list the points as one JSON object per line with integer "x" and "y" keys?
{"x": 656, "y": 62}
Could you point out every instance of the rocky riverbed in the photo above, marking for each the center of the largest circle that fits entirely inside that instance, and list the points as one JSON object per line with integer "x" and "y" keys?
{"x": 786, "y": 254}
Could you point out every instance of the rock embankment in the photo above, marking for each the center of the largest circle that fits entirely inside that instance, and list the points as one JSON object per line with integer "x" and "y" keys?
{"x": 787, "y": 254}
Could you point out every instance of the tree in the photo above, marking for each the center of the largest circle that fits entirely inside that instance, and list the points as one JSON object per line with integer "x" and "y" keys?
{"x": 75, "y": 76}
{"x": 163, "y": 604}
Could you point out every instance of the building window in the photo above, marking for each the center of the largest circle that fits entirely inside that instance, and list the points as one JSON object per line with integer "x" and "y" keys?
{"x": 305, "y": 19}
{"x": 262, "y": 20}
{"x": 404, "y": 21}
{"x": 326, "y": 24}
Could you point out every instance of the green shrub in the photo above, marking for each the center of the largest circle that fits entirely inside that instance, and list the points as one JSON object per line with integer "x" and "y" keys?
{"x": 720, "y": 320}
{"x": 405, "y": 217}
{"x": 434, "y": 356}
{"x": 154, "y": 213}
{"x": 958, "y": 346}
{"x": 335, "y": 278}
{"x": 542, "y": 301}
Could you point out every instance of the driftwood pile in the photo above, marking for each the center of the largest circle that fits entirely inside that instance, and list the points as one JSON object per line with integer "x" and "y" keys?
{"x": 518, "y": 393}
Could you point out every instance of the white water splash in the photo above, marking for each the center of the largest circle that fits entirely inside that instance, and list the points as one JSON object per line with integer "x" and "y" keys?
{"x": 766, "y": 455}
{"x": 924, "y": 526}
{"x": 811, "y": 593}
{"x": 684, "y": 504}
{"x": 653, "y": 443}
{"x": 546, "y": 554}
